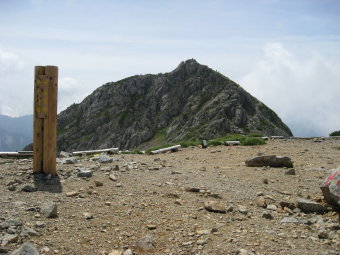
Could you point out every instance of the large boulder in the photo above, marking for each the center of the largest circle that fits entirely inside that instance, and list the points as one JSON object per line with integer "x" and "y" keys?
{"x": 271, "y": 160}
{"x": 331, "y": 188}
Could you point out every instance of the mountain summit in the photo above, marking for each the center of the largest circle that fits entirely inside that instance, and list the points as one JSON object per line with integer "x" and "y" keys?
{"x": 191, "y": 102}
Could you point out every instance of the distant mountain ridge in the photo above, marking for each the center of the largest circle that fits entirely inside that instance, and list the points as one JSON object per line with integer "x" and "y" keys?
{"x": 15, "y": 133}
{"x": 191, "y": 102}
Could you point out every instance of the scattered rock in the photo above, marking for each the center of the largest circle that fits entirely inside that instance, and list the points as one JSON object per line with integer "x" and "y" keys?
{"x": 12, "y": 222}
{"x": 84, "y": 173}
{"x": 323, "y": 235}
{"x": 204, "y": 144}
{"x": 272, "y": 207}
{"x": 64, "y": 154}
{"x": 215, "y": 206}
{"x": 242, "y": 209}
{"x": 290, "y": 171}
{"x": 113, "y": 177}
{"x": 72, "y": 193}
{"x": 267, "y": 216}
{"x": 294, "y": 220}
{"x": 26, "y": 249}
{"x": 273, "y": 161}
{"x": 27, "y": 231}
{"x": 286, "y": 204}
{"x": 9, "y": 238}
{"x": 49, "y": 210}
{"x": 146, "y": 243}
{"x": 151, "y": 227}
{"x": 98, "y": 183}
{"x": 192, "y": 189}
{"x": 70, "y": 161}
{"x": 103, "y": 158}
{"x": 12, "y": 188}
{"x": 88, "y": 216}
{"x": 309, "y": 206}
{"x": 117, "y": 252}
{"x": 261, "y": 202}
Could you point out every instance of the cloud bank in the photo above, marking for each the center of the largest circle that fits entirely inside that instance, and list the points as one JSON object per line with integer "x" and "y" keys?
{"x": 303, "y": 92}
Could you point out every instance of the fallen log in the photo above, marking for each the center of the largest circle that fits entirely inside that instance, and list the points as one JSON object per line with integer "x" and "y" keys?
{"x": 16, "y": 154}
{"x": 110, "y": 151}
{"x": 231, "y": 143}
{"x": 171, "y": 148}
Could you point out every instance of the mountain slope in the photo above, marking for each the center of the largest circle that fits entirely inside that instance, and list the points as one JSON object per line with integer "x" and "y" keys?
{"x": 193, "y": 101}
{"x": 15, "y": 133}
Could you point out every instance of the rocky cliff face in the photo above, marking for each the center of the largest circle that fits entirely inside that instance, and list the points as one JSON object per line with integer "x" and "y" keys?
{"x": 191, "y": 102}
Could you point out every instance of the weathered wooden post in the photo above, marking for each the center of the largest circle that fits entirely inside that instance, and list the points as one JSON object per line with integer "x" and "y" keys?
{"x": 45, "y": 119}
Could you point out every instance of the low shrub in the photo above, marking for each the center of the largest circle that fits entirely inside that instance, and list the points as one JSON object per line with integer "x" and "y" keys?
{"x": 335, "y": 133}
{"x": 252, "y": 141}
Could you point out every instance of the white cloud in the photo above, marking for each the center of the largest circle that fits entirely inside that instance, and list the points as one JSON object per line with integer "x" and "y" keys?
{"x": 69, "y": 91}
{"x": 304, "y": 92}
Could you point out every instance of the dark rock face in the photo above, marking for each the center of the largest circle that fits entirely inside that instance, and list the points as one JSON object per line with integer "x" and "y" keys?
{"x": 193, "y": 101}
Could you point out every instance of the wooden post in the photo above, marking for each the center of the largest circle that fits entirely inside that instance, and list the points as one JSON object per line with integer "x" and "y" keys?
{"x": 45, "y": 119}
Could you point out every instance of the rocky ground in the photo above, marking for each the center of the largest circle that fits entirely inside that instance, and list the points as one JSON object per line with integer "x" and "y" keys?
{"x": 142, "y": 204}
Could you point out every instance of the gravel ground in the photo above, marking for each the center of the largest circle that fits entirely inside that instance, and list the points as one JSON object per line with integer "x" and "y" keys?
{"x": 143, "y": 204}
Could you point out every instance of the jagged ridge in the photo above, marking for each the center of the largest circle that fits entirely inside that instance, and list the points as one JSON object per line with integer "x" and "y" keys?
{"x": 193, "y": 101}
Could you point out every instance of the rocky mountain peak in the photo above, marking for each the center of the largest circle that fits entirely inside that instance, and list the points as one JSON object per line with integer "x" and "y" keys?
{"x": 190, "y": 103}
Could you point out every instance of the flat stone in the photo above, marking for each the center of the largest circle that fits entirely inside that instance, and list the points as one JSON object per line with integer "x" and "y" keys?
{"x": 26, "y": 249}
{"x": 203, "y": 232}
{"x": 88, "y": 216}
{"x": 12, "y": 222}
{"x": 309, "y": 206}
{"x": 151, "y": 227}
{"x": 215, "y": 206}
{"x": 294, "y": 220}
{"x": 40, "y": 224}
{"x": 49, "y": 210}
{"x": 84, "y": 173}
{"x": 272, "y": 160}
{"x": 272, "y": 207}
{"x": 72, "y": 193}
{"x": 27, "y": 231}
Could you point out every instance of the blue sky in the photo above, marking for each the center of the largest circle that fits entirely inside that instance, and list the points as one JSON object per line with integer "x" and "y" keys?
{"x": 284, "y": 52}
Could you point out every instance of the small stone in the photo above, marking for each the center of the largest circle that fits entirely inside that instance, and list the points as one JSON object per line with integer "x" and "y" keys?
{"x": 118, "y": 185}
{"x": 151, "y": 227}
{"x": 309, "y": 206}
{"x": 145, "y": 244}
{"x": 108, "y": 203}
{"x": 289, "y": 205}
{"x": 72, "y": 193}
{"x": 203, "y": 232}
{"x": 12, "y": 222}
{"x": 26, "y": 249}
{"x": 178, "y": 202}
{"x": 242, "y": 209}
{"x": 290, "y": 172}
{"x": 113, "y": 177}
{"x": 28, "y": 188}
{"x": 84, "y": 173}
{"x": 323, "y": 235}
{"x": 265, "y": 181}
{"x": 27, "y": 231}
{"x": 294, "y": 220}
{"x": 272, "y": 207}
{"x": 103, "y": 159}
{"x": 267, "y": 216}
{"x": 243, "y": 252}
{"x": 12, "y": 188}
{"x": 40, "y": 224}
{"x": 9, "y": 238}
{"x": 117, "y": 252}
{"x": 128, "y": 252}
{"x": 49, "y": 210}
{"x": 261, "y": 202}
{"x": 88, "y": 216}
{"x": 45, "y": 249}
{"x": 192, "y": 189}
{"x": 215, "y": 206}
{"x": 70, "y": 161}
{"x": 98, "y": 183}
{"x": 64, "y": 154}
{"x": 201, "y": 242}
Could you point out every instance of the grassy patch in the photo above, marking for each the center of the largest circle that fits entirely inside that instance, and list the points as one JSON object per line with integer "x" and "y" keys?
{"x": 336, "y": 147}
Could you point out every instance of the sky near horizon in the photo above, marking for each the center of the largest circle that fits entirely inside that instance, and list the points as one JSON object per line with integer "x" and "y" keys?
{"x": 286, "y": 53}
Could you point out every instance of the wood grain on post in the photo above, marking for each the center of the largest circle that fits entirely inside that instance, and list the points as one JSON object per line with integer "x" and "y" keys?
{"x": 38, "y": 122}
{"x": 45, "y": 119}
